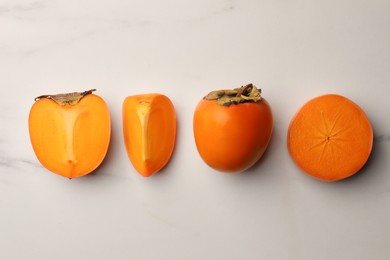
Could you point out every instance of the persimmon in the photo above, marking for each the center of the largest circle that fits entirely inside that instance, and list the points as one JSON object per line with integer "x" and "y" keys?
{"x": 70, "y": 133}
{"x": 232, "y": 128}
{"x": 330, "y": 138}
{"x": 149, "y": 129}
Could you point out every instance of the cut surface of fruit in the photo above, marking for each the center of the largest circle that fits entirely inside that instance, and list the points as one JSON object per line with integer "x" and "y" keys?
{"x": 70, "y": 139}
{"x": 149, "y": 129}
{"x": 330, "y": 138}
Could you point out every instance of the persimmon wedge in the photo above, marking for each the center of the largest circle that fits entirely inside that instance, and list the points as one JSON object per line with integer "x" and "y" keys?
{"x": 70, "y": 133}
{"x": 232, "y": 128}
{"x": 330, "y": 137}
{"x": 149, "y": 129}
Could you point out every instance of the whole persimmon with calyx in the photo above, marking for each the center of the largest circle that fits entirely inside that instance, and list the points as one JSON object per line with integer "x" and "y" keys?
{"x": 330, "y": 138}
{"x": 232, "y": 128}
{"x": 70, "y": 133}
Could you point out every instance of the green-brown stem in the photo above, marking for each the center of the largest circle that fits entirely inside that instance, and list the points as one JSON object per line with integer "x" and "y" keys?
{"x": 247, "y": 93}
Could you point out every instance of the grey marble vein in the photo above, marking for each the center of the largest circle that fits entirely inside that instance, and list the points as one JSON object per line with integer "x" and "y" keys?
{"x": 16, "y": 163}
{"x": 58, "y": 43}
{"x": 31, "y": 6}
{"x": 230, "y": 6}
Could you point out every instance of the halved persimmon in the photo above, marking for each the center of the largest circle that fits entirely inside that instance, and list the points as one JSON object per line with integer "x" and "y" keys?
{"x": 232, "y": 128}
{"x": 70, "y": 133}
{"x": 149, "y": 129}
{"x": 330, "y": 138}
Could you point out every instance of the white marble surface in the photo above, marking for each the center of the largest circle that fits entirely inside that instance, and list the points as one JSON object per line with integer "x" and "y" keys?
{"x": 293, "y": 50}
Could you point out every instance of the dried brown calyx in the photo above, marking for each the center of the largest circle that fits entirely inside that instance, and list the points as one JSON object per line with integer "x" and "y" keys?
{"x": 247, "y": 93}
{"x": 67, "y": 98}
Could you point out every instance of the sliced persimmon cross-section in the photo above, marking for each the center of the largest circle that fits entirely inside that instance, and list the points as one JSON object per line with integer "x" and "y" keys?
{"x": 70, "y": 133}
{"x": 330, "y": 138}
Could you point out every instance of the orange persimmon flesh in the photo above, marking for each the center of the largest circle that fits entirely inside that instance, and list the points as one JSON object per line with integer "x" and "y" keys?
{"x": 330, "y": 138}
{"x": 149, "y": 128}
{"x": 70, "y": 139}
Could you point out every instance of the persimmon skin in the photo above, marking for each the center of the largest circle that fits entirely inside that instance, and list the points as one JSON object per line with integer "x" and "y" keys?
{"x": 330, "y": 138}
{"x": 70, "y": 140}
{"x": 232, "y": 138}
{"x": 149, "y": 129}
